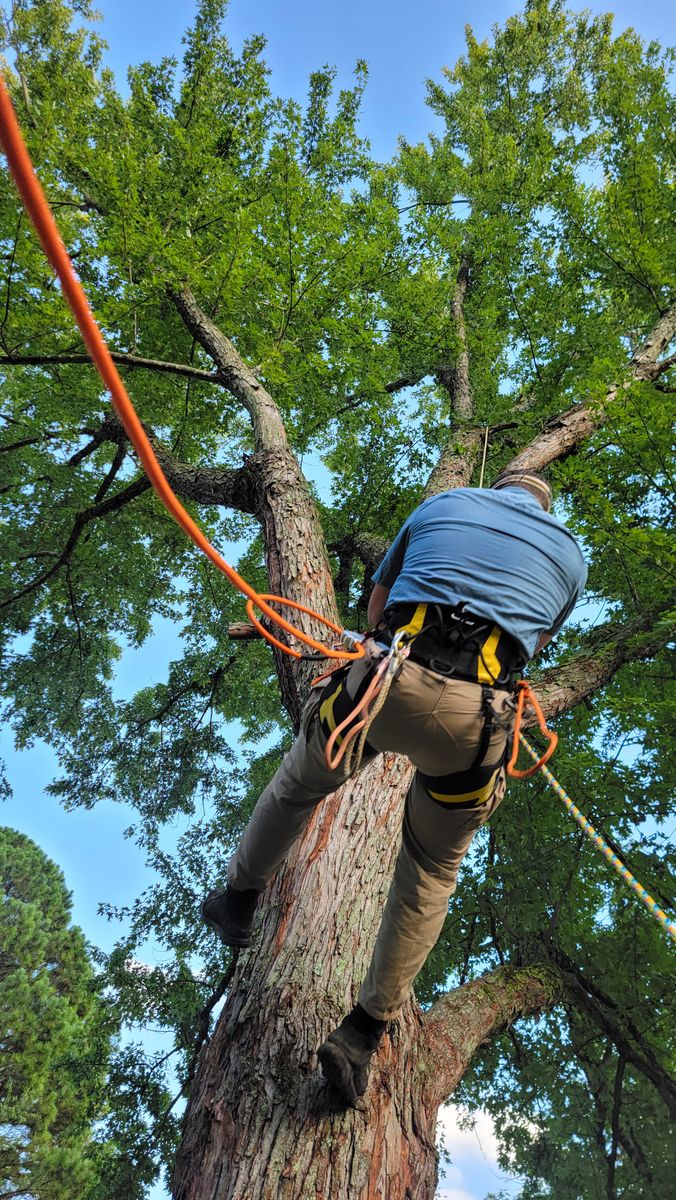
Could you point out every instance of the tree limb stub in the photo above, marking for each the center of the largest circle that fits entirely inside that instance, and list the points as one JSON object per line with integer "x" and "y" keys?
{"x": 458, "y": 1023}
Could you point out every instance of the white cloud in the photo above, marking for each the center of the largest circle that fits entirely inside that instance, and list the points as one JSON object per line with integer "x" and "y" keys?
{"x": 473, "y": 1151}
{"x": 478, "y": 1142}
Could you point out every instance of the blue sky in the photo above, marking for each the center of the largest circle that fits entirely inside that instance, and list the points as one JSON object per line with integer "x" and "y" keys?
{"x": 403, "y": 44}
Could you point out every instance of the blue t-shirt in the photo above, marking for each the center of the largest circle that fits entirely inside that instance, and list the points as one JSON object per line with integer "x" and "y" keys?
{"x": 498, "y": 551}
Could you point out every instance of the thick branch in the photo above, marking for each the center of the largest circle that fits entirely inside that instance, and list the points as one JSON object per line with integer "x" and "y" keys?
{"x": 456, "y": 463}
{"x": 123, "y": 360}
{"x": 561, "y": 688}
{"x": 564, "y": 433}
{"x": 235, "y": 375}
{"x": 457, "y": 1025}
{"x": 228, "y": 487}
{"x": 456, "y": 378}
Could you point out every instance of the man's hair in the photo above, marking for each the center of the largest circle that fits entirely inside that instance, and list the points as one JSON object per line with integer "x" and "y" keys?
{"x": 535, "y": 484}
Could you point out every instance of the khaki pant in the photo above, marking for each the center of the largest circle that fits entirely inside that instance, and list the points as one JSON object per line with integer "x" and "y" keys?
{"x": 437, "y": 722}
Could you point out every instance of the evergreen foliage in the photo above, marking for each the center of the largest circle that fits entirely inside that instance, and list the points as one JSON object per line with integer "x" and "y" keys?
{"x": 54, "y": 1034}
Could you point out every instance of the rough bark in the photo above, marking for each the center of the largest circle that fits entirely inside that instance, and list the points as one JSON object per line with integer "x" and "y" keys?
{"x": 227, "y": 487}
{"x": 456, "y": 377}
{"x": 458, "y": 459}
{"x": 269, "y": 432}
{"x": 457, "y": 1025}
{"x": 295, "y": 550}
{"x": 456, "y": 463}
{"x": 261, "y": 1122}
{"x": 296, "y": 559}
{"x": 563, "y": 687}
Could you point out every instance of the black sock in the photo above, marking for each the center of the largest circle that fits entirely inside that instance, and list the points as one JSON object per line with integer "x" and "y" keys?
{"x": 364, "y": 1022}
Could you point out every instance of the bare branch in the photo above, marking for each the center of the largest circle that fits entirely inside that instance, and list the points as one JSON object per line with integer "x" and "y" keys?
{"x": 82, "y": 519}
{"x": 122, "y": 360}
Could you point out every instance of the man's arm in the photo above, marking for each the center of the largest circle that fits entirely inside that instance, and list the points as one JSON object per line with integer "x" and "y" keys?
{"x": 385, "y": 576}
{"x": 377, "y": 604}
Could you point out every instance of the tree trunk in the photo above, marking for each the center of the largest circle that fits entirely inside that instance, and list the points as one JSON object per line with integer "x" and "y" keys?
{"x": 261, "y": 1123}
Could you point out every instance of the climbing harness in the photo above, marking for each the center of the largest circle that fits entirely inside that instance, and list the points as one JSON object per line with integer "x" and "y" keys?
{"x": 351, "y": 751}
{"x": 38, "y": 209}
{"x": 600, "y": 843}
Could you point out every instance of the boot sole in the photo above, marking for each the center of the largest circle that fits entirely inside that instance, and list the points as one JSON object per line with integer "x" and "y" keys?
{"x": 228, "y": 939}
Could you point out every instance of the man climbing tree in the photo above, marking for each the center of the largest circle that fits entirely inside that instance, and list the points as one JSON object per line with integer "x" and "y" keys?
{"x": 448, "y": 707}
{"x": 273, "y": 296}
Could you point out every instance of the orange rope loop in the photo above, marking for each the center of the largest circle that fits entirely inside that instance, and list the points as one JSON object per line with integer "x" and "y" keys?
{"x": 525, "y": 692}
{"x": 40, "y": 214}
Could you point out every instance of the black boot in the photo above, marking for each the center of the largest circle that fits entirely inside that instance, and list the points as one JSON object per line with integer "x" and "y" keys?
{"x": 347, "y": 1052}
{"x": 231, "y": 914}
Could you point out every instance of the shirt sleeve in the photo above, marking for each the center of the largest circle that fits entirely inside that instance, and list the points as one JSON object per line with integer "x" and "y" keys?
{"x": 575, "y": 596}
{"x": 393, "y": 561}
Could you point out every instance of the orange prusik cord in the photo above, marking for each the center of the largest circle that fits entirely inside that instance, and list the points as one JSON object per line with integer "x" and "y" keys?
{"x": 525, "y": 693}
{"x": 40, "y": 214}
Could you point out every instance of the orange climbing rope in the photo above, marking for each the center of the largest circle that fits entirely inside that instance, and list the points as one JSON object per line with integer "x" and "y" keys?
{"x": 41, "y": 216}
{"x": 525, "y": 692}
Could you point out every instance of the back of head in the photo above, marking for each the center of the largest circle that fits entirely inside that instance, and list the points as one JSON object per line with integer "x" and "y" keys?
{"x": 535, "y": 484}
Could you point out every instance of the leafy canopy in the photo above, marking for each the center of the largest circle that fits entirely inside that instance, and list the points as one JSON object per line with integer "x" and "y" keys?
{"x": 551, "y": 187}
